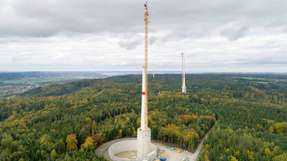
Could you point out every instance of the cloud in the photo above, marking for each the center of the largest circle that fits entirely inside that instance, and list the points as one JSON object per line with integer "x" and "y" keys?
{"x": 92, "y": 34}
{"x": 234, "y": 31}
{"x": 185, "y": 18}
{"x": 131, "y": 42}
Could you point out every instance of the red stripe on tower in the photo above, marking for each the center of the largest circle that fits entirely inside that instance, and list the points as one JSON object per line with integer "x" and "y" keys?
{"x": 143, "y": 93}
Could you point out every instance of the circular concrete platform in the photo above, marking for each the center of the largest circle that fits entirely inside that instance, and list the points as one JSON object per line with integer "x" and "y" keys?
{"x": 171, "y": 153}
{"x": 126, "y": 150}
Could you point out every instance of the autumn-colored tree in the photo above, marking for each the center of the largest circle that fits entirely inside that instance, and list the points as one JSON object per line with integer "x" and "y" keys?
{"x": 187, "y": 118}
{"x": 267, "y": 152}
{"x": 71, "y": 142}
{"x": 250, "y": 155}
{"x": 280, "y": 127}
{"x": 88, "y": 144}
{"x": 44, "y": 139}
{"x": 233, "y": 158}
{"x": 282, "y": 157}
{"x": 205, "y": 154}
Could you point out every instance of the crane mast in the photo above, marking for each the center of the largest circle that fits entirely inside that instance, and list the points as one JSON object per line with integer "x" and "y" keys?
{"x": 144, "y": 120}
{"x": 144, "y": 144}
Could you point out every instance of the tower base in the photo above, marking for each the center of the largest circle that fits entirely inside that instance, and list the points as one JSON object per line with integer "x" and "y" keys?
{"x": 126, "y": 150}
{"x": 146, "y": 151}
{"x": 183, "y": 89}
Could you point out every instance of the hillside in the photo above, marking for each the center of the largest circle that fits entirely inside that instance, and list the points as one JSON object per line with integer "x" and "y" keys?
{"x": 61, "y": 89}
{"x": 14, "y": 83}
{"x": 67, "y": 122}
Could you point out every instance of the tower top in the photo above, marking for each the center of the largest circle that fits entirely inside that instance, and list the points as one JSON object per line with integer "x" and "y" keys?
{"x": 146, "y": 4}
{"x": 146, "y": 11}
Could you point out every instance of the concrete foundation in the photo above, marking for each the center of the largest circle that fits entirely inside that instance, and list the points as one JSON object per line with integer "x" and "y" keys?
{"x": 126, "y": 150}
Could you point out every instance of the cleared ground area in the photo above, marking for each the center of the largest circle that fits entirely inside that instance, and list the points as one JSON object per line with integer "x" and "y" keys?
{"x": 171, "y": 153}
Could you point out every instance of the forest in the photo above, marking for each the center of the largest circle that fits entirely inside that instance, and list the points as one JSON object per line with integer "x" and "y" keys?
{"x": 246, "y": 115}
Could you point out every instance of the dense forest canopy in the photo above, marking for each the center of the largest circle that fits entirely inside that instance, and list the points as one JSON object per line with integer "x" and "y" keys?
{"x": 246, "y": 114}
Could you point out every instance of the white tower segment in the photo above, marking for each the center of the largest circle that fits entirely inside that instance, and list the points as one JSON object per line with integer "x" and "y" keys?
{"x": 145, "y": 149}
{"x": 144, "y": 113}
{"x": 183, "y": 86}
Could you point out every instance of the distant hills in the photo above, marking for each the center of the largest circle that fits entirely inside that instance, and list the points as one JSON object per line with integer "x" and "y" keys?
{"x": 45, "y": 75}
{"x": 60, "y": 89}
{"x": 13, "y": 83}
{"x": 66, "y": 87}
{"x": 49, "y": 83}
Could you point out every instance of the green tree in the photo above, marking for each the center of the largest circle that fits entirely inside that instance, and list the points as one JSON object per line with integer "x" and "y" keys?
{"x": 54, "y": 155}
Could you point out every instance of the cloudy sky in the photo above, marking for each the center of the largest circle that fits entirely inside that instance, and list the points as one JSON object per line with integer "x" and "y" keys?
{"x": 215, "y": 35}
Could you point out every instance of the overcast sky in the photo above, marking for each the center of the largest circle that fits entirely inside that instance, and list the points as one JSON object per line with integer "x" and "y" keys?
{"x": 215, "y": 35}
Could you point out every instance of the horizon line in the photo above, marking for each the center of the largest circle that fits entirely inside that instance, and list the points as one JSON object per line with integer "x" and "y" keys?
{"x": 138, "y": 71}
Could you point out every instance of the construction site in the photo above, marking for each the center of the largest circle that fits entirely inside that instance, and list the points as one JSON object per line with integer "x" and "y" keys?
{"x": 143, "y": 148}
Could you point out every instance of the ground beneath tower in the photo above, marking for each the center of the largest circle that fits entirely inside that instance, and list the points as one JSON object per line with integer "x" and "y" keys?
{"x": 169, "y": 152}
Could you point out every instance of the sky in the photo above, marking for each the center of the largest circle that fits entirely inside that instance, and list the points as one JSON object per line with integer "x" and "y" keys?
{"x": 95, "y": 35}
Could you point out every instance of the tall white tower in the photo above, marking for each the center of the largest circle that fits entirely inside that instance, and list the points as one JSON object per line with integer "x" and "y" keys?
{"x": 144, "y": 133}
{"x": 146, "y": 151}
{"x": 183, "y": 85}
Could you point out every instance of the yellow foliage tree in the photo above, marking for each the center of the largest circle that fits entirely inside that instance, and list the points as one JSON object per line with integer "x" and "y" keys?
{"x": 267, "y": 152}
{"x": 44, "y": 139}
{"x": 233, "y": 158}
{"x": 250, "y": 155}
{"x": 205, "y": 155}
{"x": 282, "y": 157}
{"x": 88, "y": 144}
{"x": 72, "y": 142}
{"x": 280, "y": 127}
